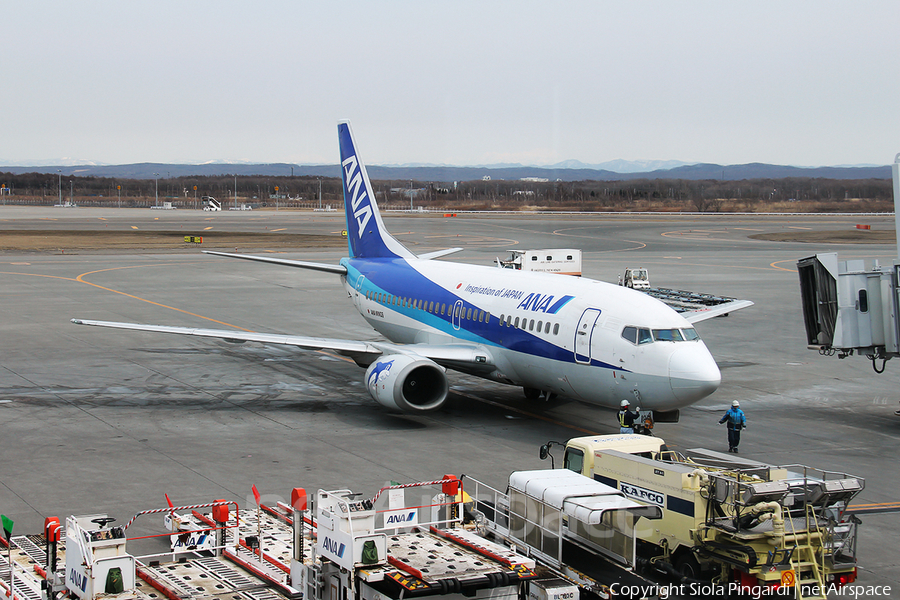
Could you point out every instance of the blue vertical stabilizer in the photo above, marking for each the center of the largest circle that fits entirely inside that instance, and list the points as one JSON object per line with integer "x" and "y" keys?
{"x": 366, "y": 234}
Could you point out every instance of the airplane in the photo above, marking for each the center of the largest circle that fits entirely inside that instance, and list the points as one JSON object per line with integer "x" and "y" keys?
{"x": 551, "y": 334}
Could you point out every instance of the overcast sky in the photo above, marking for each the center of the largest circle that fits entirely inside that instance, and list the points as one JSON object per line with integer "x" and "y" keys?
{"x": 801, "y": 83}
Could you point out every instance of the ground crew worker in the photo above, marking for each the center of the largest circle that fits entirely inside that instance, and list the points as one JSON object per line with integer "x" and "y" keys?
{"x": 734, "y": 420}
{"x": 627, "y": 418}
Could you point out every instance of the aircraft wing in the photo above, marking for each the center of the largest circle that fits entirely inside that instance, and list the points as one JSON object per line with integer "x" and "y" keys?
{"x": 364, "y": 351}
{"x": 702, "y": 314}
{"x": 467, "y": 357}
{"x": 338, "y": 269}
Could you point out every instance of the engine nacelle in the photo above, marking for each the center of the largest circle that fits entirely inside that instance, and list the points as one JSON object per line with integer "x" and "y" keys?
{"x": 407, "y": 383}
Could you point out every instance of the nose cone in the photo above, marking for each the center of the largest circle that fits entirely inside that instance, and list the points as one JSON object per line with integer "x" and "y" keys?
{"x": 693, "y": 373}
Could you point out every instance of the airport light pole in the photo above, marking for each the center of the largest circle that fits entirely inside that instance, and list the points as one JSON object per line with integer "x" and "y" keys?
{"x": 59, "y": 174}
{"x": 156, "y": 179}
{"x": 235, "y": 190}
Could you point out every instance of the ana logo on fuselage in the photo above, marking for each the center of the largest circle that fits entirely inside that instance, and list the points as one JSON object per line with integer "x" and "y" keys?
{"x": 545, "y": 304}
{"x": 353, "y": 177}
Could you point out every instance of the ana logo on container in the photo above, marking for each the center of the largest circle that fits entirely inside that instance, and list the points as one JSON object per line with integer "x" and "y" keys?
{"x": 397, "y": 519}
{"x": 644, "y": 495}
{"x": 334, "y": 547}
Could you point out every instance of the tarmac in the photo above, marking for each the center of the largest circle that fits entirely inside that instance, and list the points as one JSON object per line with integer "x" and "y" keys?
{"x": 107, "y": 421}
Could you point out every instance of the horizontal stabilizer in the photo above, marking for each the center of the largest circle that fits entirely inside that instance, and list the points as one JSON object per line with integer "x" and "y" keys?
{"x": 695, "y": 316}
{"x": 338, "y": 269}
{"x": 438, "y": 253}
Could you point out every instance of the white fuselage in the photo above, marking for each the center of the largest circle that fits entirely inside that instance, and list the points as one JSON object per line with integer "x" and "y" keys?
{"x": 555, "y": 333}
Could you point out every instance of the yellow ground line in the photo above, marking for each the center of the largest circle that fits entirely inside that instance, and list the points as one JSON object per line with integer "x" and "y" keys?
{"x": 81, "y": 279}
{"x": 774, "y": 265}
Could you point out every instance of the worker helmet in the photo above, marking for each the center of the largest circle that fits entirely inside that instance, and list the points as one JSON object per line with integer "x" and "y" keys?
{"x": 735, "y": 403}
{"x": 624, "y": 403}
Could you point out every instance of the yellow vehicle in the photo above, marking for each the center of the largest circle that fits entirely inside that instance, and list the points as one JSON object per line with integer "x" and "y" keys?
{"x": 728, "y": 521}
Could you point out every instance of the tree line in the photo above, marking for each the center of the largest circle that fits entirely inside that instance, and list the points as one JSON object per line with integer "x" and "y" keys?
{"x": 750, "y": 195}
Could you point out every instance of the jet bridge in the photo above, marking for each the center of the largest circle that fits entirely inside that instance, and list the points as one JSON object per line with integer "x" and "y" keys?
{"x": 853, "y": 306}
{"x": 850, "y": 307}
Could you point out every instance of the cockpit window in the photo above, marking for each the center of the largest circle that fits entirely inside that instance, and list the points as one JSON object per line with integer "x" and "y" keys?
{"x": 667, "y": 335}
{"x": 639, "y": 335}
{"x": 644, "y": 336}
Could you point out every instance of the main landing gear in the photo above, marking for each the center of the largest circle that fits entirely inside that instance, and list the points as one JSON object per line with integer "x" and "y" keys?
{"x": 536, "y": 394}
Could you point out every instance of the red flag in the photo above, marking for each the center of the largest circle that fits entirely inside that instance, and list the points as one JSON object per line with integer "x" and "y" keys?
{"x": 255, "y": 494}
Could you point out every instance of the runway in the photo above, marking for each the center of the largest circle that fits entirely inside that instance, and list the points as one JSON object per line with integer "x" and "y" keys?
{"x": 100, "y": 420}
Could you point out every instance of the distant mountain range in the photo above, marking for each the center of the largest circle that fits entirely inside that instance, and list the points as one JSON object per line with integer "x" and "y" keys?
{"x": 565, "y": 171}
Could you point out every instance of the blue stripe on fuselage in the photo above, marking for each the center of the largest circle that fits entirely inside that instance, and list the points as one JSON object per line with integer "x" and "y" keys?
{"x": 395, "y": 277}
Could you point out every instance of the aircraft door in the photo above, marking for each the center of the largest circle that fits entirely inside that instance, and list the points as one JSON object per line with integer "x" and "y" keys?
{"x": 583, "y": 334}
{"x": 358, "y": 296}
{"x": 457, "y": 311}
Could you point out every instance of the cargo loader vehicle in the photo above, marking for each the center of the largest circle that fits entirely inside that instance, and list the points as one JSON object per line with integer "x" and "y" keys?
{"x": 728, "y": 520}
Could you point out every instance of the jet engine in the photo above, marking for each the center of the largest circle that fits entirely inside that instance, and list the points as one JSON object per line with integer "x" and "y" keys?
{"x": 407, "y": 383}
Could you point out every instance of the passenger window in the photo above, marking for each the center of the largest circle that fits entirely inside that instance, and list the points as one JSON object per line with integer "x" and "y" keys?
{"x": 502, "y": 320}
{"x": 531, "y": 325}
{"x": 555, "y": 328}
{"x": 630, "y": 334}
{"x": 547, "y": 327}
{"x": 517, "y": 323}
{"x": 469, "y": 314}
{"x": 644, "y": 336}
{"x": 549, "y": 258}
{"x": 443, "y": 306}
{"x": 509, "y": 320}
{"x": 431, "y": 307}
{"x": 534, "y": 258}
{"x": 540, "y": 326}
{"x": 569, "y": 257}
